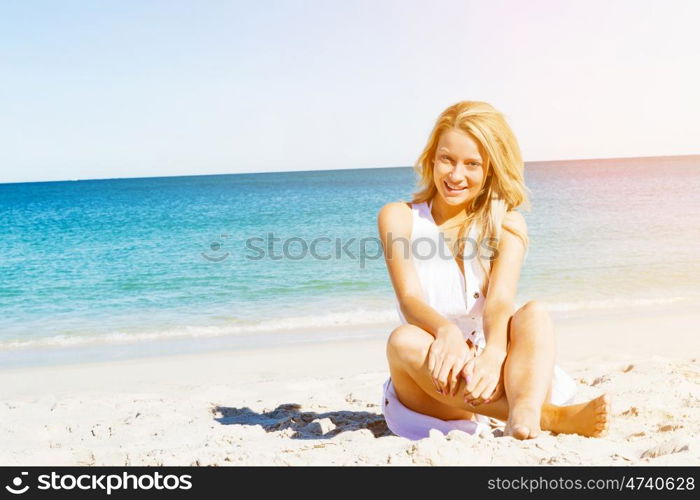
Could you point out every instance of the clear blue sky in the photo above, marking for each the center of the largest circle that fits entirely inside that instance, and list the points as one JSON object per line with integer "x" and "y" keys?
{"x": 146, "y": 88}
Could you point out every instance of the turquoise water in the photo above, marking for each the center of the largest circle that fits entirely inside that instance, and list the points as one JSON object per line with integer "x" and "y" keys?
{"x": 108, "y": 262}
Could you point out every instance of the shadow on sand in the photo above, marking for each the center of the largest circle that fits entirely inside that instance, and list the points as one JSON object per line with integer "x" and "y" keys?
{"x": 304, "y": 424}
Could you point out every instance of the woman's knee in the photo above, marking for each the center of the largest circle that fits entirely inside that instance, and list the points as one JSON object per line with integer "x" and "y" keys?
{"x": 534, "y": 307}
{"x": 531, "y": 310}
{"x": 531, "y": 319}
{"x": 408, "y": 344}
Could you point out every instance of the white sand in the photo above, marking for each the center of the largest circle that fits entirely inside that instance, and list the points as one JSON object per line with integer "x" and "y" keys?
{"x": 319, "y": 404}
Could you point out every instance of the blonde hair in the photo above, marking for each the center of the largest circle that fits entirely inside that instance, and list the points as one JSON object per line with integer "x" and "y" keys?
{"x": 504, "y": 186}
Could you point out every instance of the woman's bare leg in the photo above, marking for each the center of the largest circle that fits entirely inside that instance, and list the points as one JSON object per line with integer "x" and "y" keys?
{"x": 407, "y": 352}
{"x": 529, "y": 368}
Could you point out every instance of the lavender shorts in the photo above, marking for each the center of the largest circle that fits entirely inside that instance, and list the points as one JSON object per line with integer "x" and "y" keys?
{"x": 412, "y": 425}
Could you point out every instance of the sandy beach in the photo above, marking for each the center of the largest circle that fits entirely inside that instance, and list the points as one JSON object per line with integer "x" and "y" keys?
{"x": 319, "y": 404}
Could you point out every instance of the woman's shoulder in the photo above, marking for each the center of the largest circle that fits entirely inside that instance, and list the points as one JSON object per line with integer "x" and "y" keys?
{"x": 396, "y": 210}
{"x": 514, "y": 223}
{"x": 514, "y": 220}
{"x": 396, "y": 216}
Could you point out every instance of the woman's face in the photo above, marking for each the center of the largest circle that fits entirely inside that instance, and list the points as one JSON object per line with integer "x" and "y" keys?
{"x": 458, "y": 168}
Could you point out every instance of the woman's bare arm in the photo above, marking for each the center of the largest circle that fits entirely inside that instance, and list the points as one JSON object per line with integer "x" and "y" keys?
{"x": 395, "y": 222}
{"x": 449, "y": 352}
{"x": 503, "y": 283}
{"x": 483, "y": 374}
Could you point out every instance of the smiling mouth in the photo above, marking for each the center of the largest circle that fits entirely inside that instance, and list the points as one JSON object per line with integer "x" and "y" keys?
{"x": 453, "y": 190}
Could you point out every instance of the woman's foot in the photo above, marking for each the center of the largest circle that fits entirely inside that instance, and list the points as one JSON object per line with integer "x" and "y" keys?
{"x": 523, "y": 422}
{"x": 590, "y": 419}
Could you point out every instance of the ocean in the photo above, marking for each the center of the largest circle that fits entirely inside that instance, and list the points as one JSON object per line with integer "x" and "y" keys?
{"x": 105, "y": 269}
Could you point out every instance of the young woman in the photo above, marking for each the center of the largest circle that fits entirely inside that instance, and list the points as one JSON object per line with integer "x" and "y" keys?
{"x": 463, "y": 353}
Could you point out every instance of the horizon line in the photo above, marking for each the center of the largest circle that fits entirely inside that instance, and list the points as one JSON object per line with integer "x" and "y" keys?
{"x": 615, "y": 158}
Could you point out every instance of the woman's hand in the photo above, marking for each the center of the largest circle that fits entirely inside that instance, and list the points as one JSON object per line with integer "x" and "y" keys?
{"x": 447, "y": 356}
{"x": 483, "y": 376}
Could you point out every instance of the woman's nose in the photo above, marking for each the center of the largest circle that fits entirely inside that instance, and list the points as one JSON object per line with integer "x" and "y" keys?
{"x": 458, "y": 173}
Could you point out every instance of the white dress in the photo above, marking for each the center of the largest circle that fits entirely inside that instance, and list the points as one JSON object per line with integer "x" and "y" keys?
{"x": 445, "y": 290}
